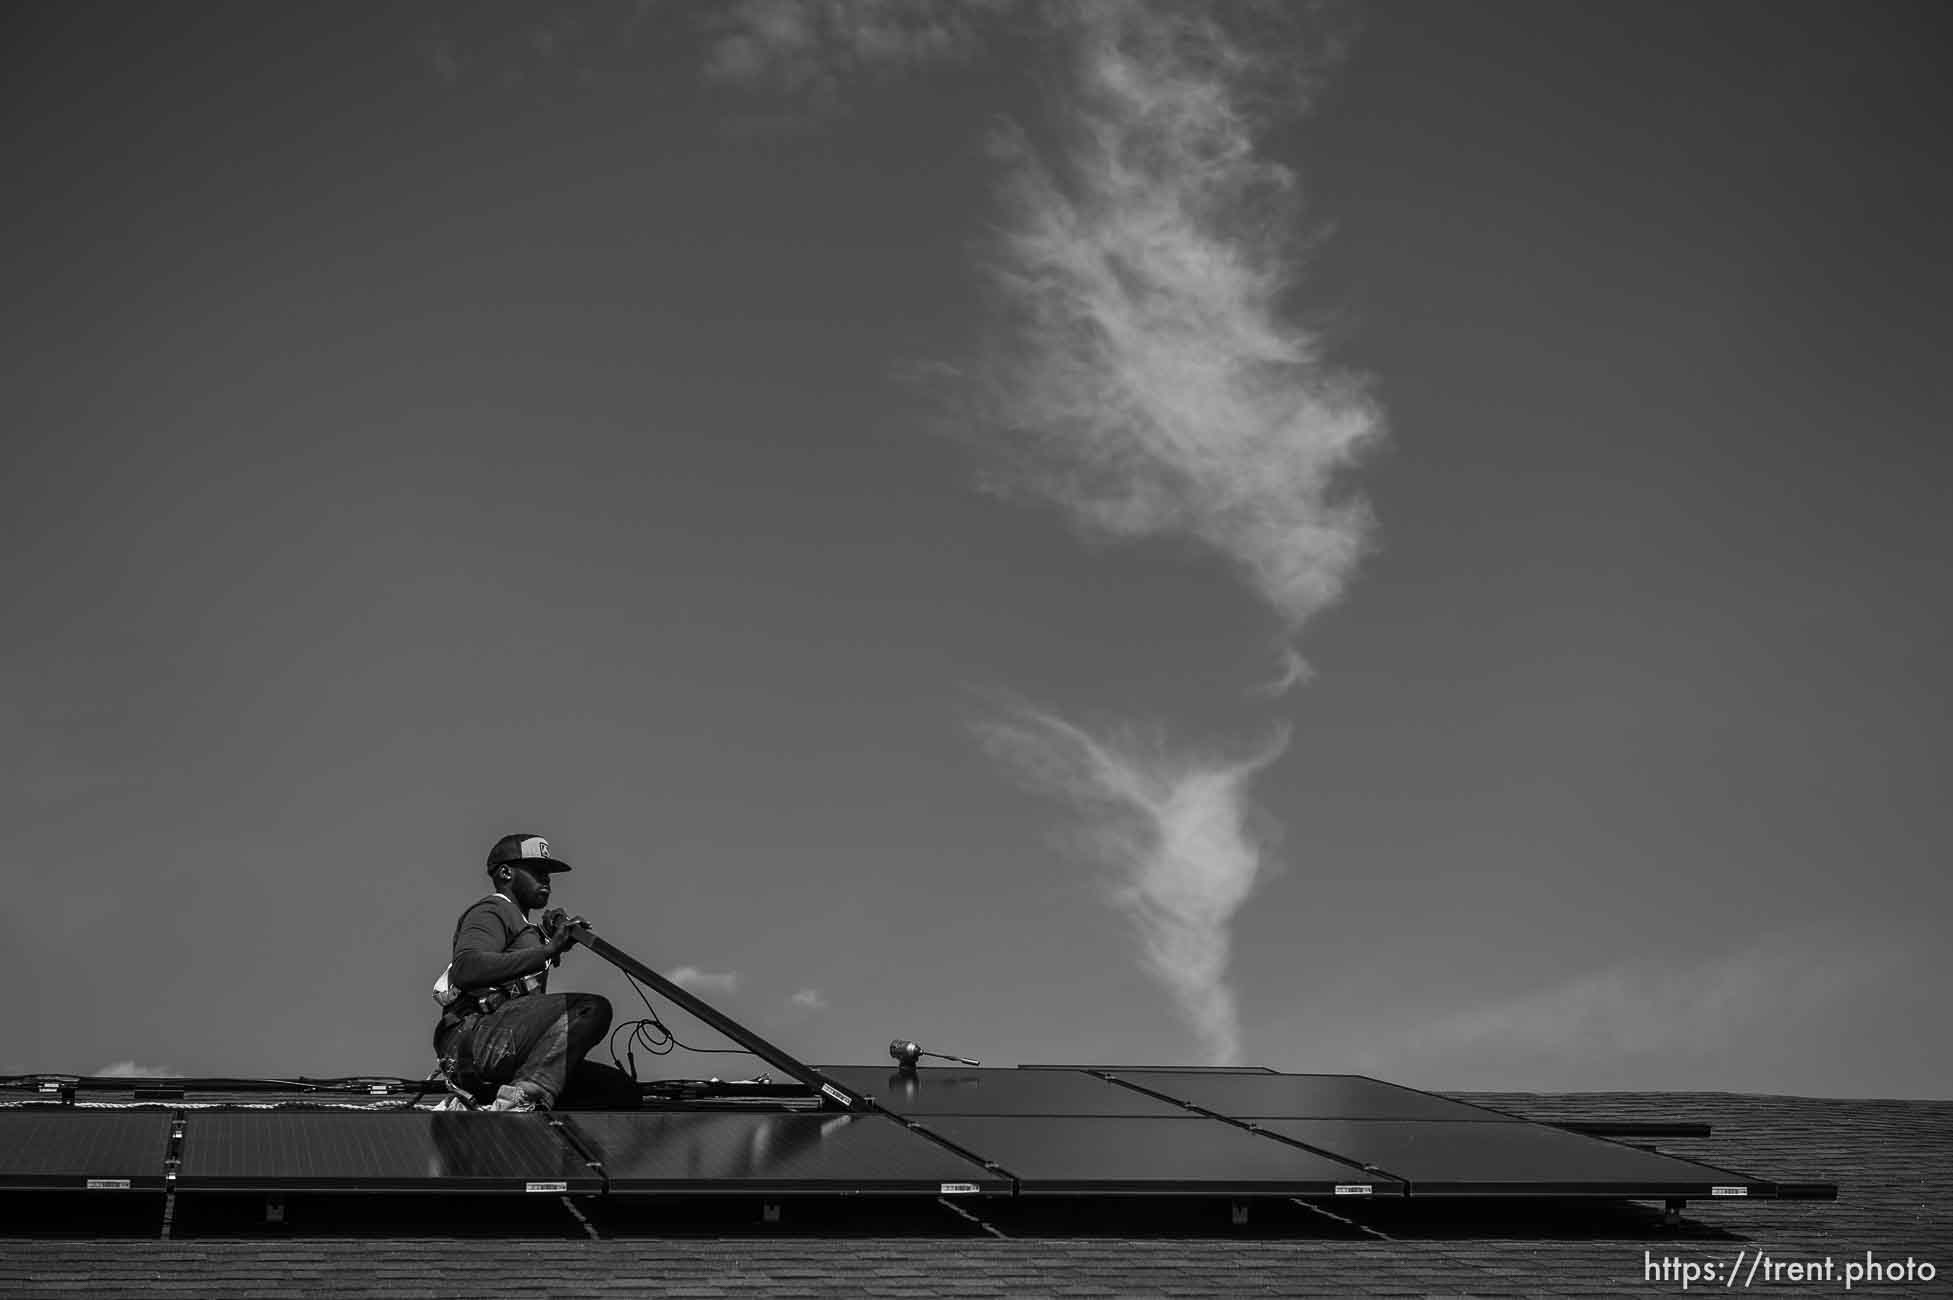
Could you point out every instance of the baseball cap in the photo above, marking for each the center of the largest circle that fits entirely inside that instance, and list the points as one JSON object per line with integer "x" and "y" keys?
{"x": 525, "y": 850}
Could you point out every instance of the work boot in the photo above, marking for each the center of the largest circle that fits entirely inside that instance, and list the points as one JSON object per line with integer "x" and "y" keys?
{"x": 513, "y": 1096}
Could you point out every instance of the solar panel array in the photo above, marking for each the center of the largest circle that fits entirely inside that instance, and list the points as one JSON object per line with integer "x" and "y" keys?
{"x": 972, "y": 1131}
{"x": 775, "y": 1154}
{"x": 55, "y": 1150}
{"x": 1245, "y": 1133}
{"x": 1301, "y": 1096}
{"x": 394, "y": 1151}
{"x": 1433, "y": 1145}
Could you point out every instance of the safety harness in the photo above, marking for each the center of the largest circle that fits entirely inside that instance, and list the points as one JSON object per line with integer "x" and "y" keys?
{"x": 458, "y": 1004}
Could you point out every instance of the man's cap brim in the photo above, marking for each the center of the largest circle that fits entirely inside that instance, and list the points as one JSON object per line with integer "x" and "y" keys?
{"x": 548, "y": 866}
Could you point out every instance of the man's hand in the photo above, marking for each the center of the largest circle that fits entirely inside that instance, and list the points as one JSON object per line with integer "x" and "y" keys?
{"x": 556, "y": 929}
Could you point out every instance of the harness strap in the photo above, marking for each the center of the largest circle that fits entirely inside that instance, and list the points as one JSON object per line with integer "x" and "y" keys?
{"x": 468, "y": 1003}
{"x": 479, "y": 1002}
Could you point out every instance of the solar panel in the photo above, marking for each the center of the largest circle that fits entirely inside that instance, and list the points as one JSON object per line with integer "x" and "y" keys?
{"x": 1304, "y": 1096}
{"x": 1446, "y": 1158}
{"x": 400, "y": 1151}
{"x": 83, "y": 1149}
{"x": 1097, "y": 1154}
{"x": 747, "y": 1152}
{"x": 958, "y": 1090}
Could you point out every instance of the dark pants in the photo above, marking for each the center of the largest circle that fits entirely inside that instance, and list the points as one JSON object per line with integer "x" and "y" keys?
{"x": 539, "y": 1042}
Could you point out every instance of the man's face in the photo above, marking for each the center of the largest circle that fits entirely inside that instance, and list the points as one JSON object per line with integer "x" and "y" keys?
{"x": 528, "y": 887}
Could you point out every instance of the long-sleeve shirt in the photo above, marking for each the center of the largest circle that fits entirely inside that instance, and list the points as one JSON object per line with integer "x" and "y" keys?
{"x": 494, "y": 944}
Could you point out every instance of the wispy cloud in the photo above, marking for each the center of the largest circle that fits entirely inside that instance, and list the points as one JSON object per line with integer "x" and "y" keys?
{"x": 809, "y": 47}
{"x": 131, "y": 1070}
{"x": 1293, "y": 671}
{"x": 701, "y": 981}
{"x": 1154, "y": 384}
{"x": 808, "y": 999}
{"x": 1175, "y": 832}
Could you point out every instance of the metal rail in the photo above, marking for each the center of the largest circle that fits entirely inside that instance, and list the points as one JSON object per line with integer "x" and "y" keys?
{"x": 833, "y": 1096}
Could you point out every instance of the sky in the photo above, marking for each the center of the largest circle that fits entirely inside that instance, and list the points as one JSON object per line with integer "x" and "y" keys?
{"x": 1399, "y": 539}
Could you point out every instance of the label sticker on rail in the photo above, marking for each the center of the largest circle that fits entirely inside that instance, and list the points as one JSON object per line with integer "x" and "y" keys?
{"x": 1353, "y": 1189}
{"x": 108, "y": 1184}
{"x": 1729, "y": 1191}
{"x": 959, "y": 1189}
{"x": 545, "y": 1187}
{"x": 836, "y": 1093}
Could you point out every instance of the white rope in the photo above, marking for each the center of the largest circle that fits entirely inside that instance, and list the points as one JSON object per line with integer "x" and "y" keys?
{"x": 50, "y": 1104}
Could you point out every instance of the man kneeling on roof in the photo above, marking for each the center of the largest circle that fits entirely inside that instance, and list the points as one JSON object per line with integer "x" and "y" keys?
{"x": 500, "y": 1027}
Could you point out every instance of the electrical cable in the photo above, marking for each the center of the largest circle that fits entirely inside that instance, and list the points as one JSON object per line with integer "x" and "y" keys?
{"x": 115, "y": 1083}
{"x": 654, "y": 1036}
